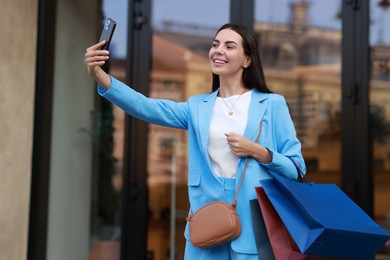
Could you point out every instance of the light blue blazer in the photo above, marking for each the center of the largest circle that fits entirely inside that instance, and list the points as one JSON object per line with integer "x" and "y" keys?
{"x": 278, "y": 135}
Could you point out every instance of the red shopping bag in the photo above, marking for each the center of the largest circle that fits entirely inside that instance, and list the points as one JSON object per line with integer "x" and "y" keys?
{"x": 283, "y": 245}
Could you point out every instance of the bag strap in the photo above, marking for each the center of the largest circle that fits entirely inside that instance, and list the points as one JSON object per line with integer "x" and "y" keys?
{"x": 234, "y": 204}
{"x": 301, "y": 175}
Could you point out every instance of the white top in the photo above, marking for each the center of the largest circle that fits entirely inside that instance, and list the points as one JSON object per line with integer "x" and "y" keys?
{"x": 223, "y": 162}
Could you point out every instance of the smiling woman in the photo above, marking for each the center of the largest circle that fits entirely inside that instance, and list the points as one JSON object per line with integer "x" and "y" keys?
{"x": 184, "y": 50}
{"x": 210, "y": 177}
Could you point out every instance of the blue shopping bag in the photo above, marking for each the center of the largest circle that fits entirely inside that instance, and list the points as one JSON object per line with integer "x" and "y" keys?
{"x": 323, "y": 220}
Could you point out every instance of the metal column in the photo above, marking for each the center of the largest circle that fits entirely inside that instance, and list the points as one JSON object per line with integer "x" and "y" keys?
{"x": 356, "y": 173}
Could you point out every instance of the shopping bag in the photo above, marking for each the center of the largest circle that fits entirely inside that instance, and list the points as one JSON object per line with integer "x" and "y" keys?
{"x": 283, "y": 245}
{"x": 263, "y": 245}
{"x": 323, "y": 220}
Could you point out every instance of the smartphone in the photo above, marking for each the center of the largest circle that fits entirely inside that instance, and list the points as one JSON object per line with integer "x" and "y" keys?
{"x": 107, "y": 32}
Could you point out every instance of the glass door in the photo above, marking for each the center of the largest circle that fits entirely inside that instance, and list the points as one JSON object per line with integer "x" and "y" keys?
{"x": 301, "y": 51}
{"x": 380, "y": 112}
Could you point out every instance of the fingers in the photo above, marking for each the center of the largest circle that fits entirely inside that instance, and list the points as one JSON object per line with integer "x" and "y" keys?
{"x": 94, "y": 57}
{"x": 233, "y": 140}
{"x": 232, "y": 137}
{"x": 94, "y": 53}
{"x": 238, "y": 144}
{"x": 97, "y": 46}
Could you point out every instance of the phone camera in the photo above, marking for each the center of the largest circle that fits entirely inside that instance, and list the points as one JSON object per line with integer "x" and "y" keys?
{"x": 107, "y": 25}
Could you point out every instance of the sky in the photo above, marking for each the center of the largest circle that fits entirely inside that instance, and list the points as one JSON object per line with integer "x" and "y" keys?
{"x": 214, "y": 13}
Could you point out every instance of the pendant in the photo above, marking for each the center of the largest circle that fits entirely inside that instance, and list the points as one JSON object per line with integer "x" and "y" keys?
{"x": 230, "y": 113}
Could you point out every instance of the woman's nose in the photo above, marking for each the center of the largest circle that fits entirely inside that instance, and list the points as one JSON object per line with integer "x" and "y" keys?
{"x": 220, "y": 51}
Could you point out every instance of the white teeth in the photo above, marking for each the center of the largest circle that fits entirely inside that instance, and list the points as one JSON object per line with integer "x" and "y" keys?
{"x": 219, "y": 61}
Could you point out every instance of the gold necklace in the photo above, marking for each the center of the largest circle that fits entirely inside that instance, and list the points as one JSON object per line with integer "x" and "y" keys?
{"x": 230, "y": 113}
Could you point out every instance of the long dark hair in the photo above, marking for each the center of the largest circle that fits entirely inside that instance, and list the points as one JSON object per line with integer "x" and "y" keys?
{"x": 253, "y": 76}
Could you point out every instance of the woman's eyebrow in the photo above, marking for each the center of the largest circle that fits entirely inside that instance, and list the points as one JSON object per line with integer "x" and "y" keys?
{"x": 227, "y": 42}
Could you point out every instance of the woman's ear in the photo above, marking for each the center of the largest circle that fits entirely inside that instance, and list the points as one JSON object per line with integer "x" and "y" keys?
{"x": 247, "y": 63}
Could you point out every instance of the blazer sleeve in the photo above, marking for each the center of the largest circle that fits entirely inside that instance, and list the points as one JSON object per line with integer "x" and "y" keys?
{"x": 155, "y": 111}
{"x": 287, "y": 156}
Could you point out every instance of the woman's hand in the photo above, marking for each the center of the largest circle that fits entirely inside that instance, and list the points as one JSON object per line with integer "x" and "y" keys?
{"x": 242, "y": 147}
{"x": 95, "y": 58}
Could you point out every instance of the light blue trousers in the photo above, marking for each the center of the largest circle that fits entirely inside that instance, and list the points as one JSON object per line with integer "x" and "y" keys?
{"x": 224, "y": 251}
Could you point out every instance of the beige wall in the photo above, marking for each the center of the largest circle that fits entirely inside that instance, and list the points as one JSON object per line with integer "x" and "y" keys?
{"x": 17, "y": 80}
{"x": 73, "y": 100}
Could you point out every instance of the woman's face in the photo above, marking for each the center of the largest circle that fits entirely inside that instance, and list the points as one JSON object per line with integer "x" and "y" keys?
{"x": 226, "y": 56}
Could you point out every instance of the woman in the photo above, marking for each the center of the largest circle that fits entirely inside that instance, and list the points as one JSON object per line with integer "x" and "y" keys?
{"x": 222, "y": 127}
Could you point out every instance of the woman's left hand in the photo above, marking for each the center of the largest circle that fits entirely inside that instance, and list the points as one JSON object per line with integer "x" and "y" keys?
{"x": 243, "y": 147}
{"x": 239, "y": 145}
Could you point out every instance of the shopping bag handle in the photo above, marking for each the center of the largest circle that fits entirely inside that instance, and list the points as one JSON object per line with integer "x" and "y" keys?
{"x": 301, "y": 176}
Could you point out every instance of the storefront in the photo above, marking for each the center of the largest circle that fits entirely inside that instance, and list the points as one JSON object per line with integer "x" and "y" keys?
{"x": 108, "y": 186}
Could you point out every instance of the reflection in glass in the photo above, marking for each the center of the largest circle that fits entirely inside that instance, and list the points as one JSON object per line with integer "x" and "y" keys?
{"x": 301, "y": 53}
{"x": 380, "y": 110}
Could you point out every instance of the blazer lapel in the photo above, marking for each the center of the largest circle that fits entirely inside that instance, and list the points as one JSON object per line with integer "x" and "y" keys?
{"x": 257, "y": 108}
{"x": 205, "y": 111}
